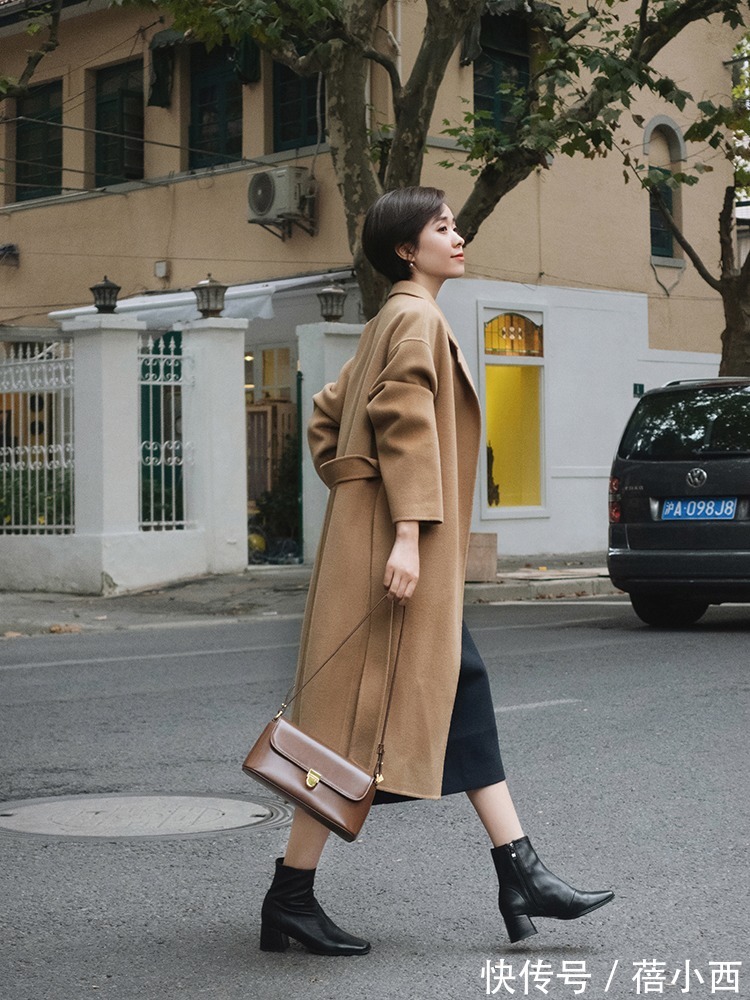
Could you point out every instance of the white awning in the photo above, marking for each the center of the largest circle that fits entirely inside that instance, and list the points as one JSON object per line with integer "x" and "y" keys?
{"x": 163, "y": 310}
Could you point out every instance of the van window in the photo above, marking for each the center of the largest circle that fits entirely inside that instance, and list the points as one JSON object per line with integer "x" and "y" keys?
{"x": 706, "y": 422}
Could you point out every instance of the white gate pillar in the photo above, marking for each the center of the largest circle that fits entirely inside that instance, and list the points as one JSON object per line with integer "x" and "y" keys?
{"x": 213, "y": 425}
{"x": 105, "y": 423}
{"x": 322, "y": 348}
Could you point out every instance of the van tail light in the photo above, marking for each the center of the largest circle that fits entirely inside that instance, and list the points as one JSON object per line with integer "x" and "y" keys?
{"x": 615, "y": 507}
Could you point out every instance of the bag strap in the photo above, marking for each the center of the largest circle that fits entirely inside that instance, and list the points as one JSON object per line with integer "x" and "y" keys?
{"x": 381, "y": 746}
{"x": 292, "y": 694}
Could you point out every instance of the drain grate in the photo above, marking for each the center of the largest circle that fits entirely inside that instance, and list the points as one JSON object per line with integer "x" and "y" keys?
{"x": 124, "y": 816}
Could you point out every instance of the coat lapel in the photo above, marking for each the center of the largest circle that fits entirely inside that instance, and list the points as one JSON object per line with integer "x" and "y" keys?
{"x": 411, "y": 288}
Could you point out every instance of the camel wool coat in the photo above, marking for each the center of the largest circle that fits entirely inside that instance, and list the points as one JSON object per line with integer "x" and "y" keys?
{"x": 395, "y": 438}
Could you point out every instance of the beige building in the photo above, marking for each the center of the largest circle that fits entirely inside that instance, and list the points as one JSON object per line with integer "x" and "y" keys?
{"x": 136, "y": 152}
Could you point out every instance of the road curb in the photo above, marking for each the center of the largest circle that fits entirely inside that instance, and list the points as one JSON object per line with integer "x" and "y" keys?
{"x": 530, "y": 590}
{"x": 253, "y": 596}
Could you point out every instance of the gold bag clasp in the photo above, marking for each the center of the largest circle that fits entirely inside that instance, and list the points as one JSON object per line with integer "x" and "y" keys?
{"x": 312, "y": 778}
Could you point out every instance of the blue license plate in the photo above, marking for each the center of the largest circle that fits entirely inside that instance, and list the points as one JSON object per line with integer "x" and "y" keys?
{"x": 703, "y": 509}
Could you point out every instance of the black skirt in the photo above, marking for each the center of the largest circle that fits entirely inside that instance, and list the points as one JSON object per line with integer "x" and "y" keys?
{"x": 472, "y": 754}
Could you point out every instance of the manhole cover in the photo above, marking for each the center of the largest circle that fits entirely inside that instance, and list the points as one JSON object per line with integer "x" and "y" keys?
{"x": 122, "y": 815}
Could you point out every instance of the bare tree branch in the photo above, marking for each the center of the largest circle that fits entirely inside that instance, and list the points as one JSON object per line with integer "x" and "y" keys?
{"x": 21, "y": 88}
{"x": 663, "y": 29}
{"x": 642, "y": 28}
{"x": 391, "y": 69}
{"x": 579, "y": 26}
{"x": 446, "y": 23}
{"x": 692, "y": 253}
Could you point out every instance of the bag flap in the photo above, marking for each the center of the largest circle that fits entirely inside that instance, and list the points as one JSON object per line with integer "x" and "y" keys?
{"x": 335, "y": 771}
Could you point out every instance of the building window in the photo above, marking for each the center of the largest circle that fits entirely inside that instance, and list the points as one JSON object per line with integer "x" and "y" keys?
{"x": 295, "y": 120}
{"x": 39, "y": 143}
{"x": 662, "y": 240}
{"x": 270, "y": 376}
{"x": 119, "y": 124}
{"x": 665, "y": 148}
{"x": 513, "y": 369}
{"x": 501, "y": 71}
{"x": 215, "y": 107}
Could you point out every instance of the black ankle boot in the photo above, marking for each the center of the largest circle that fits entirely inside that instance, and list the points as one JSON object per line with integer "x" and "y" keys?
{"x": 528, "y": 889}
{"x": 290, "y": 909}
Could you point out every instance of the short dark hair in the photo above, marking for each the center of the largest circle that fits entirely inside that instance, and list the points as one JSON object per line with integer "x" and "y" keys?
{"x": 396, "y": 219}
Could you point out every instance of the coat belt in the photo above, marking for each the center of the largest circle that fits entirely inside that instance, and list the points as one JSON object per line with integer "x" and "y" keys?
{"x": 348, "y": 467}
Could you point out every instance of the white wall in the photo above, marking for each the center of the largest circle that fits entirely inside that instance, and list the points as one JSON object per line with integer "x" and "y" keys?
{"x": 596, "y": 350}
{"x": 323, "y": 348}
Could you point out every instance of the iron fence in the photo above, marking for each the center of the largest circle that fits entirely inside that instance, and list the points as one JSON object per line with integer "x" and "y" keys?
{"x": 37, "y": 465}
{"x": 163, "y": 452}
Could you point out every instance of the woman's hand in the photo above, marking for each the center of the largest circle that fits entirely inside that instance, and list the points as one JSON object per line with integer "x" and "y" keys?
{"x": 402, "y": 568}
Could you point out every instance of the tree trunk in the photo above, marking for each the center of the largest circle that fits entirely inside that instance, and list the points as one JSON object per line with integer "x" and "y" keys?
{"x": 444, "y": 28}
{"x": 349, "y": 139}
{"x": 735, "y": 340}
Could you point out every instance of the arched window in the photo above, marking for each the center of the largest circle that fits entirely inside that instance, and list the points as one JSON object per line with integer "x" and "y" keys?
{"x": 664, "y": 148}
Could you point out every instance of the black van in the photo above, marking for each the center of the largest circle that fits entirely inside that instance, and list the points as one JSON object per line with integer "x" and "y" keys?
{"x": 679, "y": 501}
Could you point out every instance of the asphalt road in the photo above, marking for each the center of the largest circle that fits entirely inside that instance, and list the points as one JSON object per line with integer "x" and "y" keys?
{"x": 627, "y": 754}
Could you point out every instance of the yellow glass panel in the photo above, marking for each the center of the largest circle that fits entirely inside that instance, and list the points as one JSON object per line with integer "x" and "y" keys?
{"x": 513, "y": 435}
{"x": 511, "y": 334}
{"x": 277, "y": 373}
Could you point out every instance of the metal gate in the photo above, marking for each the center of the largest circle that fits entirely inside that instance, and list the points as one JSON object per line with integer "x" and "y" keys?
{"x": 162, "y": 448}
{"x": 36, "y": 437}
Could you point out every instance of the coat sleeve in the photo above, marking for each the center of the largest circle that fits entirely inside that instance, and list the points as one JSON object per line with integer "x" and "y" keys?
{"x": 323, "y": 429}
{"x": 401, "y": 407}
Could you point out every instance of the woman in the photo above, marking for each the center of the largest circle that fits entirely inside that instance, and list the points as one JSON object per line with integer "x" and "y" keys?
{"x": 396, "y": 439}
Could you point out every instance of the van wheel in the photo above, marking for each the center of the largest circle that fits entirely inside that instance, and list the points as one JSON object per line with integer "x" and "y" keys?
{"x": 667, "y": 612}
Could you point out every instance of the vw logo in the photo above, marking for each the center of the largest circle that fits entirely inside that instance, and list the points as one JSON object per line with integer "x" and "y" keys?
{"x": 697, "y": 477}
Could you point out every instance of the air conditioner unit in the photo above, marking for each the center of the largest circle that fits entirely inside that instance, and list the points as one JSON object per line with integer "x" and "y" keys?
{"x": 282, "y": 197}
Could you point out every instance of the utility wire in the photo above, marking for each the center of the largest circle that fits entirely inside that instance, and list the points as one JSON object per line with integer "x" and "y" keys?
{"x": 130, "y": 136}
{"x": 41, "y": 165}
{"x": 100, "y": 55}
{"x": 54, "y": 188}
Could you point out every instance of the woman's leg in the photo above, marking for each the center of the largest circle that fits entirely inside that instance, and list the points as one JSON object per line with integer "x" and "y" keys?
{"x": 527, "y": 888}
{"x": 306, "y": 841}
{"x": 495, "y": 809}
{"x": 290, "y": 908}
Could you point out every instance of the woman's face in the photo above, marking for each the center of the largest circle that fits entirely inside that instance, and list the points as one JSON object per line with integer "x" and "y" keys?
{"x": 439, "y": 254}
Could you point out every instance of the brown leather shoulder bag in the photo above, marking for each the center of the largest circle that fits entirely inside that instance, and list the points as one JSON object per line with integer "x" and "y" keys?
{"x": 334, "y": 790}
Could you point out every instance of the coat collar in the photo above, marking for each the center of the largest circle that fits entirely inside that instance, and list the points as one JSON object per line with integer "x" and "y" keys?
{"x": 412, "y": 288}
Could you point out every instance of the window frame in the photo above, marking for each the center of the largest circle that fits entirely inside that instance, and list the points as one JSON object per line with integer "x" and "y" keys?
{"x": 657, "y": 224}
{"x": 486, "y": 311}
{"x": 307, "y": 134}
{"x": 502, "y": 57}
{"x": 670, "y": 132}
{"x": 218, "y": 70}
{"x": 50, "y": 132}
{"x": 119, "y": 149}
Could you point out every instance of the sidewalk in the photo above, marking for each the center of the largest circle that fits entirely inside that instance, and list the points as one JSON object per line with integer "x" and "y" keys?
{"x": 263, "y": 591}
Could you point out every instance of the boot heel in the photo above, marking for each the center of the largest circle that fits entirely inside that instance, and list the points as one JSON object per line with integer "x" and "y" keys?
{"x": 272, "y": 939}
{"x": 518, "y": 926}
